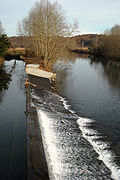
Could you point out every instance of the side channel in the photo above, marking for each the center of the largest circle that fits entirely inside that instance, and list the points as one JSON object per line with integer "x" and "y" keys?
{"x": 13, "y": 135}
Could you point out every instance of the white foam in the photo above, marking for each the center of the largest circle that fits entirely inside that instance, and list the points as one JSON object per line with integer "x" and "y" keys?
{"x": 49, "y": 142}
{"x": 32, "y": 104}
{"x": 99, "y": 146}
{"x": 66, "y": 105}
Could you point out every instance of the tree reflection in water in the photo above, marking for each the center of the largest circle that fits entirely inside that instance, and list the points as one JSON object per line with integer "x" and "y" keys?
{"x": 4, "y": 81}
{"x": 110, "y": 70}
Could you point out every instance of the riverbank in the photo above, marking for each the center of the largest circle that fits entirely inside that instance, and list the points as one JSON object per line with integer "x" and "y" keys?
{"x": 95, "y": 54}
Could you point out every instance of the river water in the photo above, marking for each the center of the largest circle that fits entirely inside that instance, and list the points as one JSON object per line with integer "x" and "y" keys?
{"x": 13, "y": 139}
{"x": 81, "y": 126}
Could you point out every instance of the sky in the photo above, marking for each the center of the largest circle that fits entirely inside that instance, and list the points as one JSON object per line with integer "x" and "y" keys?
{"x": 93, "y": 16}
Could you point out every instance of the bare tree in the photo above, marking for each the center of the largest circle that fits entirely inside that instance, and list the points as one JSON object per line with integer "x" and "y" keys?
{"x": 47, "y": 27}
{"x": 1, "y": 29}
{"x": 115, "y": 30}
{"x": 109, "y": 44}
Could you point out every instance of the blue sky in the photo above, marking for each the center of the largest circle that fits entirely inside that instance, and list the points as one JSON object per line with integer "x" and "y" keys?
{"x": 94, "y": 16}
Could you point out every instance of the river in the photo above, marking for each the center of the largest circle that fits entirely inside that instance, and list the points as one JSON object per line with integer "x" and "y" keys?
{"x": 81, "y": 126}
{"x": 13, "y": 138}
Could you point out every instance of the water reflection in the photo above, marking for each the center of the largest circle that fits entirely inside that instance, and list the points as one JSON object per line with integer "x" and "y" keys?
{"x": 107, "y": 68}
{"x": 4, "y": 81}
{"x": 110, "y": 70}
{"x": 13, "y": 121}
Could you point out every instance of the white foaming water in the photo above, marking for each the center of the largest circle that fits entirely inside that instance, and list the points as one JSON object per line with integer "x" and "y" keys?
{"x": 55, "y": 154}
{"x": 99, "y": 146}
{"x": 66, "y": 105}
{"x": 32, "y": 105}
{"x": 49, "y": 141}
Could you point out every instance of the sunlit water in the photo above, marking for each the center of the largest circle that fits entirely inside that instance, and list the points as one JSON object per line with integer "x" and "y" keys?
{"x": 13, "y": 124}
{"x": 81, "y": 131}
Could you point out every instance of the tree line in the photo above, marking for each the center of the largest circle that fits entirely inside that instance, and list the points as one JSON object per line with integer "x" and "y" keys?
{"x": 108, "y": 44}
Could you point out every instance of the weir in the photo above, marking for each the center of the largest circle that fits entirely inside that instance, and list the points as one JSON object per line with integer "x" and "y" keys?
{"x": 68, "y": 154}
{"x": 74, "y": 147}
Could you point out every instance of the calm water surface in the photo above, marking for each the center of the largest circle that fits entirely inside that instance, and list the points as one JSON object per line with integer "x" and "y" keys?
{"x": 13, "y": 124}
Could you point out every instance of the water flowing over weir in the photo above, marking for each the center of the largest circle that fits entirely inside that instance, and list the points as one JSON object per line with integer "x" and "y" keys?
{"x": 81, "y": 132}
{"x": 69, "y": 155}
